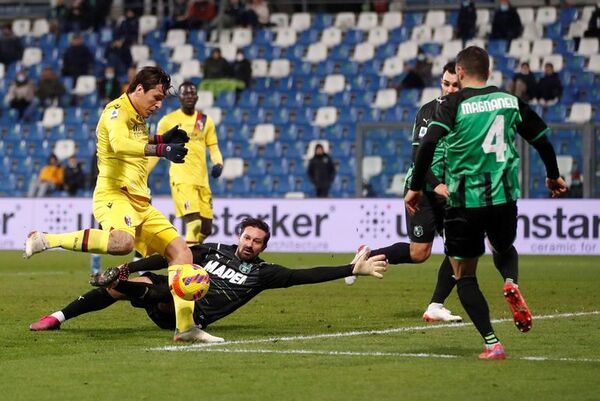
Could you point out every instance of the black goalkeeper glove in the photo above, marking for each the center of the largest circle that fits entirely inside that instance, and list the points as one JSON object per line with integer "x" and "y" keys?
{"x": 172, "y": 151}
{"x": 217, "y": 170}
{"x": 174, "y": 135}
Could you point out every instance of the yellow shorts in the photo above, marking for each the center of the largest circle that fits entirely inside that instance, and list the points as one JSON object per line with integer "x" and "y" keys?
{"x": 192, "y": 199}
{"x": 117, "y": 210}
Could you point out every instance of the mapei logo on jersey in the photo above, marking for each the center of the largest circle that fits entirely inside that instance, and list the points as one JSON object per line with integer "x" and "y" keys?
{"x": 418, "y": 231}
{"x": 127, "y": 220}
{"x": 114, "y": 114}
{"x": 225, "y": 273}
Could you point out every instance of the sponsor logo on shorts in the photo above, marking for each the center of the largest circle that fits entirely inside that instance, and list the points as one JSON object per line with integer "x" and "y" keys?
{"x": 127, "y": 220}
{"x": 418, "y": 231}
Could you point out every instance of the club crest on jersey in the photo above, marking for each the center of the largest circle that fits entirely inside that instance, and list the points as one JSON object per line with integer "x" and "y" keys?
{"x": 422, "y": 132}
{"x": 200, "y": 125}
{"x": 127, "y": 220}
{"x": 245, "y": 267}
{"x": 418, "y": 231}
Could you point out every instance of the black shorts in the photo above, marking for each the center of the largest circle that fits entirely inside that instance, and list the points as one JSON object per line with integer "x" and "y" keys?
{"x": 466, "y": 228}
{"x": 162, "y": 314}
{"x": 429, "y": 219}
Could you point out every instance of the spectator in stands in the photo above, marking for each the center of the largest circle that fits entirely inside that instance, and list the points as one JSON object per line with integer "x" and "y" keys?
{"x": 466, "y": 24}
{"x": 99, "y": 13}
{"x": 58, "y": 17}
{"x": 242, "y": 68}
{"x": 524, "y": 84}
{"x": 74, "y": 177}
{"x": 78, "y": 59}
{"x": 109, "y": 87}
{"x": 49, "y": 89}
{"x": 321, "y": 171}
{"x": 118, "y": 56}
{"x": 411, "y": 79}
{"x": 593, "y": 30}
{"x": 11, "y": 48}
{"x": 216, "y": 66}
{"x": 506, "y": 23}
{"x": 232, "y": 15}
{"x": 20, "y": 94}
{"x": 177, "y": 16}
{"x": 549, "y": 87}
{"x": 261, "y": 9}
{"x": 197, "y": 15}
{"x": 49, "y": 180}
{"x": 129, "y": 28}
{"x": 131, "y": 71}
{"x": 79, "y": 16}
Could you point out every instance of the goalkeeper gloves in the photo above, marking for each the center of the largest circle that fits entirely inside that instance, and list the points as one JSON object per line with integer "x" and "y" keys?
{"x": 374, "y": 266}
{"x": 174, "y": 135}
{"x": 217, "y": 170}
{"x": 172, "y": 151}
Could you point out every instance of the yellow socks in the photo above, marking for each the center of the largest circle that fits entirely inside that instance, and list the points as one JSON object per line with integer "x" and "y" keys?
{"x": 193, "y": 232}
{"x": 184, "y": 310}
{"x": 90, "y": 240}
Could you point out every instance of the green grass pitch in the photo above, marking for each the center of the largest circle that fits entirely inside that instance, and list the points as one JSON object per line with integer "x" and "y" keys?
{"x": 305, "y": 343}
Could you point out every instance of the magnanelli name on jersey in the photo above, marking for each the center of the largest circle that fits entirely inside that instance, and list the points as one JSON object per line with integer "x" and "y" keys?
{"x": 489, "y": 105}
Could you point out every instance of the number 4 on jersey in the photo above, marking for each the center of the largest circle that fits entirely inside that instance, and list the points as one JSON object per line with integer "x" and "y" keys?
{"x": 494, "y": 139}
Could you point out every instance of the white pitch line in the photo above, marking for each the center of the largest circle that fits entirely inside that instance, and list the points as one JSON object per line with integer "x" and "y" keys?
{"x": 361, "y": 333}
{"x": 376, "y": 354}
{"x": 47, "y": 273}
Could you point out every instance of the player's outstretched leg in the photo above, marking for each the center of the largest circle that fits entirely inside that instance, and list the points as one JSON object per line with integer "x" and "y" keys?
{"x": 521, "y": 313}
{"x": 89, "y": 240}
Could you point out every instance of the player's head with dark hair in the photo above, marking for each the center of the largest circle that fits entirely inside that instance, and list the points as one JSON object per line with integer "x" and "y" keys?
{"x": 473, "y": 62}
{"x": 449, "y": 81}
{"x": 148, "y": 89}
{"x": 254, "y": 237}
{"x": 188, "y": 96}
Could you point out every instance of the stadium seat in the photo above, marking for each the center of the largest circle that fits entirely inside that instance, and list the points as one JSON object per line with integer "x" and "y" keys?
{"x": 367, "y": 20}
{"x": 588, "y": 46}
{"x": 2, "y": 71}
{"x": 40, "y": 27}
{"x": 85, "y": 85}
{"x": 316, "y": 52}
{"x": 300, "y": 21}
{"x": 190, "y": 69}
{"x": 576, "y": 29}
{"x": 496, "y": 79}
{"x": 580, "y": 113}
{"x": 325, "y": 116}
{"x": 232, "y": 168}
{"x": 260, "y": 68}
{"x": 31, "y": 56}
{"x": 280, "y": 20}
{"x": 483, "y": 23}
{"x": 21, "y": 27}
{"x": 215, "y": 113}
{"x": 294, "y": 195}
{"x": 334, "y": 84}
{"x": 556, "y": 60}
{"x": 378, "y": 36}
{"x": 205, "y": 99}
{"x": 542, "y": 47}
{"x": 451, "y": 48}
{"x": 182, "y": 53}
{"x": 140, "y": 53}
{"x": 586, "y": 14}
{"x": 519, "y": 48}
{"x": 408, "y": 50}
{"x": 565, "y": 166}
{"x": 594, "y": 63}
{"x": 532, "y": 31}
{"x": 175, "y": 37}
{"x": 385, "y": 98}
{"x": 545, "y": 15}
{"x": 435, "y": 18}
{"x": 53, "y": 117}
{"x": 63, "y": 149}
{"x": 285, "y": 37}
{"x": 371, "y": 167}
{"x": 147, "y": 23}
{"x": 228, "y": 51}
{"x": 146, "y": 63}
{"x": 263, "y": 134}
{"x": 421, "y": 34}
{"x": 429, "y": 94}
{"x": 279, "y": 68}
{"x": 331, "y": 36}
{"x": 391, "y": 20}
{"x": 241, "y": 37}
{"x": 397, "y": 185}
{"x": 526, "y": 14}
{"x": 345, "y": 20}
{"x": 363, "y": 52}
{"x": 392, "y": 67}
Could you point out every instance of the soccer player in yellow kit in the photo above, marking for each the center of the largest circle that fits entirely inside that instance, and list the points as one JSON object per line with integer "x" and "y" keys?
{"x": 121, "y": 200}
{"x": 190, "y": 189}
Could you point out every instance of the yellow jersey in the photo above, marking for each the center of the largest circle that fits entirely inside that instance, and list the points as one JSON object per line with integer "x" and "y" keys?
{"x": 201, "y": 130}
{"x": 122, "y": 136}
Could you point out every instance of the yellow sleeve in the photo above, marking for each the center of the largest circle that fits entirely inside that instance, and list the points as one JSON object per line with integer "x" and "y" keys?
{"x": 118, "y": 135}
{"x": 161, "y": 127}
{"x": 212, "y": 142}
{"x": 215, "y": 154}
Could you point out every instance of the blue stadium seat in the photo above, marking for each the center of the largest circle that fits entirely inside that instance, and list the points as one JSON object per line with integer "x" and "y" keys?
{"x": 412, "y": 19}
{"x": 353, "y": 36}
{"x": 555, "y": 114}
{"x": 497, "y": 47}
{"x": 322, "y": 21}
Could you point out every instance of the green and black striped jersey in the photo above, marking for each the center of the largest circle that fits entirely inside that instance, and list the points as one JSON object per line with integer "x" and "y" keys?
{"x": 438, "y": 166}
{"x": 481, "y": 160}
